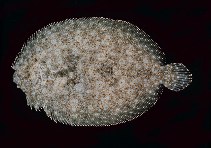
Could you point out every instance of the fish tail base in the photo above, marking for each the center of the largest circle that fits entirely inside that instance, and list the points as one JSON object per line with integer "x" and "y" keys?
{"x": 176, "y": 76}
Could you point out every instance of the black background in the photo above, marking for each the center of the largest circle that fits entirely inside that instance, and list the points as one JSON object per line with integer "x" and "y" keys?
{"x": 179, "y": 119}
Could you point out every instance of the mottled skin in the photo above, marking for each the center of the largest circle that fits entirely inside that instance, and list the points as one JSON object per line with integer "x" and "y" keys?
{"x": 92, "y": 72}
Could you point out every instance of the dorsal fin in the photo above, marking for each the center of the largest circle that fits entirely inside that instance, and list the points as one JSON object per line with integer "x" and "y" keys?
{"x": 143, "y": 40}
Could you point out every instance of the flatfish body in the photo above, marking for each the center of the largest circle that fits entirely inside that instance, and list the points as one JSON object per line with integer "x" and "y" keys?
{"x": 94, "y": 71}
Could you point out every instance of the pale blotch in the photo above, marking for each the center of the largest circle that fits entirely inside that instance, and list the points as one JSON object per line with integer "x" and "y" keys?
{"x": 79, "y": 87}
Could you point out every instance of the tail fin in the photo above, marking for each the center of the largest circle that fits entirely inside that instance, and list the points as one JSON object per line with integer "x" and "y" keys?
{"x": 176, "y": 76}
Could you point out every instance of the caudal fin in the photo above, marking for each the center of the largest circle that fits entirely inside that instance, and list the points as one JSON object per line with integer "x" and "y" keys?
{"x": 176, "y": 76}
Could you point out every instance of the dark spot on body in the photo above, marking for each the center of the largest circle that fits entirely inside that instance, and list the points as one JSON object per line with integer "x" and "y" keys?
{"x": 62, "y": 73}
{"x": 106, "y": 70}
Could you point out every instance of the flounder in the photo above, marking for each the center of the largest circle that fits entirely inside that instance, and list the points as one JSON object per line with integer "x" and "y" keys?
{"x": 94, "y": 71}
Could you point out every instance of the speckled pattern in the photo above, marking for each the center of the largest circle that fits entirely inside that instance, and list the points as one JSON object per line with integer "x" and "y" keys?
{"x": 94, "y": 71}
